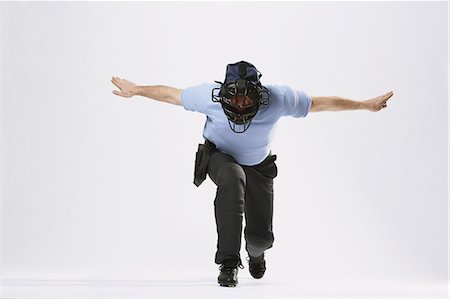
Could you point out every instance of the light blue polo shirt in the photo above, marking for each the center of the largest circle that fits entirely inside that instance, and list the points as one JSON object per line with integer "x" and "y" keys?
{"x": 252, "y": 146}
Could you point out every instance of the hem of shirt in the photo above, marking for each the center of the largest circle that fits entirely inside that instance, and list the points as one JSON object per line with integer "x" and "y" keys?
{"x": 182, "y": 101}
{"x": 309, "y": 105}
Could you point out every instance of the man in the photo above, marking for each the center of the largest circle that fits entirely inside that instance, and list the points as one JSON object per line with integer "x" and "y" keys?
{"x": 241, "y": 118}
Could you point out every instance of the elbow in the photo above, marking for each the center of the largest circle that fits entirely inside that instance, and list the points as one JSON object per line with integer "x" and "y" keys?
{"x": 176, "y": 97}
{"x": 315, "y": 105}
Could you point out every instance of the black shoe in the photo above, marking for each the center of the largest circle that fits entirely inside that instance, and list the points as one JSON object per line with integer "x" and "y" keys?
{"x": 228, "y": 275}
{"x": 257, "y": 266}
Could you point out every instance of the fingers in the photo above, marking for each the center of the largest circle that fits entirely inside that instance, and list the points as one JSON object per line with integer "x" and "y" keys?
{"x": 116, "y": 85}
{"x": 384, "y": 99}
{"x": 115, "y": 81}
{"x": 388, "y": 95}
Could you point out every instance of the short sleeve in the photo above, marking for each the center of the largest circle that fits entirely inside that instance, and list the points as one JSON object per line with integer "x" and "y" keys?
{"x": 197, "y": 98}
{"x": 296, "y": 103}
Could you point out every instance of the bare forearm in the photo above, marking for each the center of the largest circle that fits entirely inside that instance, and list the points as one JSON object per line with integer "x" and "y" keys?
{"x": 336, "y": 104}
{"x": 160, "y": 93}
{"x": 340, "y": 104}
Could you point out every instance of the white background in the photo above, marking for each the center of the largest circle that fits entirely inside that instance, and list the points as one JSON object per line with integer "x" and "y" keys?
{"x": 96, "y": 187}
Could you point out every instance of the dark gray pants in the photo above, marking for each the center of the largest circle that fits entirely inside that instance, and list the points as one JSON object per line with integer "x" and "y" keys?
{"x": 242, "y": 190}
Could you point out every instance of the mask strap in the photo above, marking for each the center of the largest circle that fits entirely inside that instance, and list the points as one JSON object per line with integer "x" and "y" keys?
{"x": 242, "y": 69}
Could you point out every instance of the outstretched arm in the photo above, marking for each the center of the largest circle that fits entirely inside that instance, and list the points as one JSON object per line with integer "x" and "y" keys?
{"x": 341, "y": 104}
{"x": 158, "y": 92}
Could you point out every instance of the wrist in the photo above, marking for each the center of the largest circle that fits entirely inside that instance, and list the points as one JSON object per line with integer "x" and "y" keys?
{"x": 363, "y": 105}
{"x": 137, "y": 90}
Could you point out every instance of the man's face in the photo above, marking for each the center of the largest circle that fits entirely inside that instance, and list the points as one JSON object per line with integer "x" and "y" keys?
{"x": 240, "y": 102}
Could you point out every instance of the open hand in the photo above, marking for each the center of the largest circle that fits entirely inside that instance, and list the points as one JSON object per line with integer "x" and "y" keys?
{"x": 378, "y": 103}
{"x": 127, "y": 88}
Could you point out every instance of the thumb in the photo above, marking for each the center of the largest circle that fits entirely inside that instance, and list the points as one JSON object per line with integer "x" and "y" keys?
{"x": 116, "y": 92}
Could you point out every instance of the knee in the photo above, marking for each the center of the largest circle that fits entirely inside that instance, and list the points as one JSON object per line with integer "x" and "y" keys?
{"x": 231, "y": 174}
{"x": 256, "y": 245}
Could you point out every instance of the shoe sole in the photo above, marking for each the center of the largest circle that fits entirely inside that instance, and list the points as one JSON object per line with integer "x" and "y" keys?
{"x": 224, "y": 284}
{"x": 257, "y": 276}
{"x": 228, "y": 285}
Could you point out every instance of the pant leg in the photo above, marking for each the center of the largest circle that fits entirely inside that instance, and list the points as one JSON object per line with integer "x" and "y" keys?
{"x": 258, "y": 230}
{"x": 230, "y": 179}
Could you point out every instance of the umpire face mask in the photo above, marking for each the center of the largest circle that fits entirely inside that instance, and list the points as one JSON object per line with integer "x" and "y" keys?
{"x": 241, "y": 95}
